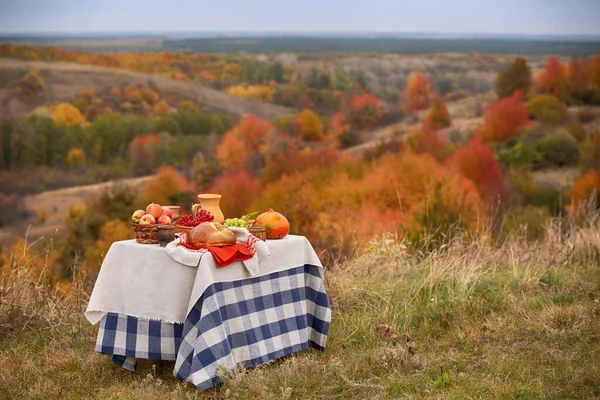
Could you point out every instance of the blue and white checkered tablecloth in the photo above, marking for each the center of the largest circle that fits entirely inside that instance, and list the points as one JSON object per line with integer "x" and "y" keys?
{"x": 242, "y": 323}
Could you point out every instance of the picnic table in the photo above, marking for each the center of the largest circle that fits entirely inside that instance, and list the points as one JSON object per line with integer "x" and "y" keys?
{"x": 209, "y": 320}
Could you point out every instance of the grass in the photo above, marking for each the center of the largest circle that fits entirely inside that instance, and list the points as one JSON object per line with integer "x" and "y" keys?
{"x": 471, "y": 320}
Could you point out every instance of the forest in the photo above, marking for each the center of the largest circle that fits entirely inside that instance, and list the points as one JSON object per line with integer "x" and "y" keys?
{"x": 305, "y": 161}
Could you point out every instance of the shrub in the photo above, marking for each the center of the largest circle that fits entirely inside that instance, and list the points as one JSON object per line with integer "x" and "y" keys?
{"x": 578, "y": 131}
{"x": 350, "y": 138}
{"x": 547, "y": 109}
{"x": 529, "y": 221}
{"x": 590, "y": 152}
{"x": 559, "y": 149}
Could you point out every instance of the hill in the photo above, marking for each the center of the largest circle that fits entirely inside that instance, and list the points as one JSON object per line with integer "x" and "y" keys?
{"x": 65, "y": 80}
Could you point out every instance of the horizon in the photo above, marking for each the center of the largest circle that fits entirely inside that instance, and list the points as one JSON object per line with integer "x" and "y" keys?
{"x": 309, "y": 17}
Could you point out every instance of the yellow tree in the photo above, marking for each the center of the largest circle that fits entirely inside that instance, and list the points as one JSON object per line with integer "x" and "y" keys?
{"x": 438, "y": 114}
{"x": 67, "y": 114}
{"x": 76, "y": 157}
{"x": 309, "y": 125}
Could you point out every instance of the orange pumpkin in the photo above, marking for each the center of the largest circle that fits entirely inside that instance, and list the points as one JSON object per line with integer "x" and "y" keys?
{"x": 276, "y": 224}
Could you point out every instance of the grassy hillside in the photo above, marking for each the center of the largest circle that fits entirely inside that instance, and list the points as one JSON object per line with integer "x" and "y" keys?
{"x": 471, "y": 320}
{"x": 66, "y": 80}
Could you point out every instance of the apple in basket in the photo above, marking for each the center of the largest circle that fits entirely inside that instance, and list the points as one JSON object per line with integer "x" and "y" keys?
{"x": 135, "y": 217}
{"x": 154, "y": 209}
{"x": 163, "y": 220}
{"x": 167, "y": 211}
{"x": 147, "y": 219}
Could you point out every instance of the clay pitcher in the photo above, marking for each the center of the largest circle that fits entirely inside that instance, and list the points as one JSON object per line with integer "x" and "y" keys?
{"x": 210, "y": 203}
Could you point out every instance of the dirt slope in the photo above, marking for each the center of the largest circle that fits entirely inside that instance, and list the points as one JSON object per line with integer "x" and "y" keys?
{"x": 65, "y": 80}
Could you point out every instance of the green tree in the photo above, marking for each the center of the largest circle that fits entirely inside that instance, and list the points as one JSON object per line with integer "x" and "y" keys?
{"x": 277, "y": 72}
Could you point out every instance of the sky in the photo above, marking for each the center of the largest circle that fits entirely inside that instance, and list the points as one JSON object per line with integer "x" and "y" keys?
{"x": 558, "y": 17}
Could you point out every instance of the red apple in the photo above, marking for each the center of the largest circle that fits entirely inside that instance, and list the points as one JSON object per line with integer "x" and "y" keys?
{"x": 147, "y": 219}
{"x": 154, "y": 209}
{"x": 163, "y": 220}
{"x": 167, "y": 211}
{"x": 135, "y": 218}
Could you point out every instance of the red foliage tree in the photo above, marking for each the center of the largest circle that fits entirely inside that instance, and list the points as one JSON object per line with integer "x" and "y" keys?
{"x": 142, "y": 152}
{"x": 418, "y": 93}
{"x": 426, "y": 139}
{"x": 243, "y": 141}
{"x": 477, "y": 163}
{"x": 553, "y": 78}
{"x": 364, "y": 111}
{"x": 577, "y": 77}
{"x": 582, "y": 190}
{"x": 502, "y": 120}
{"x": 239, "y": 189}
{"x": 295, "y": 161}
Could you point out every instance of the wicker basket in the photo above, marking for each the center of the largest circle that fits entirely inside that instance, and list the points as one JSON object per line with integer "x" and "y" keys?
{"x": 183, "y": 229}
{"x": 145, "y": 234}
{"x": 259, "y": 231}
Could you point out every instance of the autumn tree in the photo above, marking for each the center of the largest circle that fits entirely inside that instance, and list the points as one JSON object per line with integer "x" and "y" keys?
{"x": 244, "y": 141}
{"x": 477, "y": 163}
{"x": 31, "y": 84}
{"x": 67, "y": 114}
{"x": 553, "y": 78}
{"x": 426, "y": 139}
{"x": 337, "y": 126}
{"x": 516, "y": 77}
{"x": 239, "y": 189}
{"x": 418, "y": 93}
{"x": 168, "y": 187}
{"x": 364, "y": 111}
{"x": 577, "y": 78}
{"x": 309, "y": 126}
{"x": 438, "y": 114}
{"x": 142, "y": 151}
{"x": 76, "y": 157}
{"x": 503, "y": 119}
{"x": 585, "y": 188}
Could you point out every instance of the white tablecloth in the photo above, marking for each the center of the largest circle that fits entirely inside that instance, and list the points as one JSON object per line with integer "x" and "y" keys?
{"x": 141, "y": 280}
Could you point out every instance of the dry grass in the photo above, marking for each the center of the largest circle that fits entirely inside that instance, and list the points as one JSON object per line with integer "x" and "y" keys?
{"x": 473, "y": 319}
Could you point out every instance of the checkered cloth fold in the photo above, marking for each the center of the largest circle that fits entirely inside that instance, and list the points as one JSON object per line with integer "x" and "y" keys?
{"x": 241, "y": 323}
{"x": 126, "y": 338}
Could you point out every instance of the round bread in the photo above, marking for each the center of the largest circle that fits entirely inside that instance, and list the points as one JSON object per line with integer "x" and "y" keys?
{"x": 211, "y": 234}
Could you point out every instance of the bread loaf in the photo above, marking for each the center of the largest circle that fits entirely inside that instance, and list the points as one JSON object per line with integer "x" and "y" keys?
{"x": 211, "y": 234}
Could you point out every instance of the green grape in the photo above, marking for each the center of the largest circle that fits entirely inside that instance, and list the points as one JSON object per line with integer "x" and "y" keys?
{"x": 236, "y": 222}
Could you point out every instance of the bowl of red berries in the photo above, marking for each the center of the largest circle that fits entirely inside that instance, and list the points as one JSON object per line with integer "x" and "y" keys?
{"x": 188, "y": 222}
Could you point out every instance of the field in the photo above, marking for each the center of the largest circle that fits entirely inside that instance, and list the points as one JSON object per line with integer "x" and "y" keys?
{"x": 470, "y": 320}
{"x": 450, "y": 188}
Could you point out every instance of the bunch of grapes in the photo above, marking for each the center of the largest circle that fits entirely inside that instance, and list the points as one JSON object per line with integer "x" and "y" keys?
{"x": 201, "y": 216}
{"x": 237, "y": 222}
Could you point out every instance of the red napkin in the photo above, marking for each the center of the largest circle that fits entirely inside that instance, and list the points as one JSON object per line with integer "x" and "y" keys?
{"x": 224, "y": 255}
